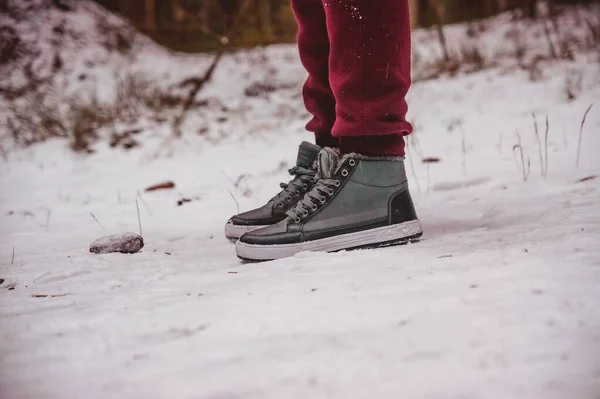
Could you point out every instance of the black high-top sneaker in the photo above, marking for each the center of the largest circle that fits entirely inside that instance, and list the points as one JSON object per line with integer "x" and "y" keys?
{"x": 357, "y": 202}
{"x": 274, "y": 211}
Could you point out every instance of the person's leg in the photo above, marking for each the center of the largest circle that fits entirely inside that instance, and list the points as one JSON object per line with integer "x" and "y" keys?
{"x": 369, "y": 73}
{"x": 360, "y": 198}
{"x": 313, "y": 45}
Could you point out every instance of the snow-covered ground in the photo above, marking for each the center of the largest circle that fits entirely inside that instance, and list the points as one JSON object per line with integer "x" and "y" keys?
{"x": 499, "y": 300}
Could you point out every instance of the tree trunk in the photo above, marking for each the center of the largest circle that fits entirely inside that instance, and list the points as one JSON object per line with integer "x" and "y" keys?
{"x": 177, "y": 14}
{"x": 414, "y": 13}
{"x": 439, "y": 12}
{"x": 530, "y": 9}
{"x": 150, "y": 11}
{"x": 264, "y": 17}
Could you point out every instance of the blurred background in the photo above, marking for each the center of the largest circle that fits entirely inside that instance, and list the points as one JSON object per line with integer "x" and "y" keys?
{"x": 188, "y": 25}
{"x": 93, "y": 70}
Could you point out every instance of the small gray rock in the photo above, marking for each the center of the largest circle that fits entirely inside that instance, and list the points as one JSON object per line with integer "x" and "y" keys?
{"x": 127, "y": 243}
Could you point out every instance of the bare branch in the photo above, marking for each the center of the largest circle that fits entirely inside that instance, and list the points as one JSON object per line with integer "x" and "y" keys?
{"x": 197, "y": 83}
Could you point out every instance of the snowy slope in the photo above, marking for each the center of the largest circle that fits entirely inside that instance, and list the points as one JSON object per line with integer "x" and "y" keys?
{"x": 499, "y": 300}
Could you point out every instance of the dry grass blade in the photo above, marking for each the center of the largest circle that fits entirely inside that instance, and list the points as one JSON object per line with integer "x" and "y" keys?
{"x": 97, "y": 221}
{"x": 581, "y": 133}
{"x": 139, "y": 195}
{"x": 539, "y": 142}
{"x": 524, "y": 170}
{"x": 464, "y": 150}
{"x": 139, "y": 218}
{"x": 546, "y": 146}
{"x": 236, "y": 202}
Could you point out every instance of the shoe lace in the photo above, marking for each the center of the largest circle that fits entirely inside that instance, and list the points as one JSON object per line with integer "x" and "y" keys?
{"x": 322, "y": 190}
{"x": 303, "y": 179}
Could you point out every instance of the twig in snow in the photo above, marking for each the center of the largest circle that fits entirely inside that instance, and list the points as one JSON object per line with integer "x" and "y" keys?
{"x": 12, "y": 262}
{"x": 139, "y": 219}
{"x": 537, "y": 137}
{"x": 522, "y": 166}
{"x": 239, "y": 180}
{"x": 236, "y": 202}
{"x": 97, "y": 221}
{"x": 581, "y": 133}
{"x": 167, "y": 185}
{"x": 587, "y": 178}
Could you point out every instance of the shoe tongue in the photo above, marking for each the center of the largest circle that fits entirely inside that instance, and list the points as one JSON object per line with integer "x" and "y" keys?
{"x": 307, "y": 152}
{"x": 328, "y": 161}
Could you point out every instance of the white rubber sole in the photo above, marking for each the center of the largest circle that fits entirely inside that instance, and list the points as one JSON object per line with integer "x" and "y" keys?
{"x": 233, "y": 232}
{"x": 378, "y": 237}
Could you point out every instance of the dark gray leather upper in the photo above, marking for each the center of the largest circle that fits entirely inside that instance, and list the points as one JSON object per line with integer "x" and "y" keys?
{"x": 274, "y": 210}
{"x": 363, "y": 200}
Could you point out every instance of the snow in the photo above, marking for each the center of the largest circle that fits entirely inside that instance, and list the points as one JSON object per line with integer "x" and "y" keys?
{"x": 499, "y": 299}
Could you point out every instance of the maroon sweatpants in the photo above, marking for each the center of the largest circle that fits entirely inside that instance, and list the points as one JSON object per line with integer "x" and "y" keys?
{"x": 357, "y": 54}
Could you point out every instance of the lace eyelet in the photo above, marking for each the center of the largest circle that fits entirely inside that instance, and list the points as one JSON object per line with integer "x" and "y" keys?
{"x": 280, "y": 205}
{"x": 298, "y": 220}
{"x": 331, "y": 192}
{"x": 297, "y": 192}
{"x": 314, "y": 207}
{"x": 305, "y": 186}
{"x": 288, "y": 199}
{"x": 305, "y": 213}
{"x": 337, "y": 183}
{"x": 322, "y": 201}
{"x": 344, "y": 173}
{"x": 352, "y": 162}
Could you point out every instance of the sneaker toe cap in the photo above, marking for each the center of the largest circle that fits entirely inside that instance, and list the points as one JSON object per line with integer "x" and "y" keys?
{"x": 276, "y": 234}
{"x": 259, "y": 216}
